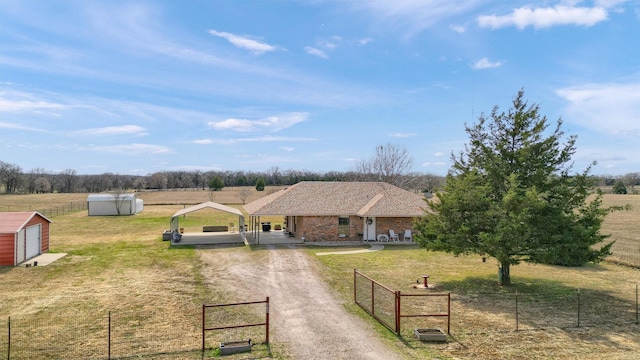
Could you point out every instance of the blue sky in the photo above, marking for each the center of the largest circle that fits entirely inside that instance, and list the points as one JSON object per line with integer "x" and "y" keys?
{"x": 136, "y": 87}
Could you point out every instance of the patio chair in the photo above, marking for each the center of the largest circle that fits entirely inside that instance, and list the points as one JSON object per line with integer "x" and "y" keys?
{"x": 393, "y": 236}
{"x": 407, "y": 235}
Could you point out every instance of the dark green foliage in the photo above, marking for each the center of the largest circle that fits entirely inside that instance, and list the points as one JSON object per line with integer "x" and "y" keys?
{"x": 510, "y": 195}
{"x": 260, "y": 184}
{"x": 216, "y": 183}
{"x": 619, "y": 187}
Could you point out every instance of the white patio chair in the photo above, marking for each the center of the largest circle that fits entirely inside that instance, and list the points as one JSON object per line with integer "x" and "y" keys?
{"x": 382, "y": 237}
{"x": 407, "y": 235}
{"x": 393, "y": 236}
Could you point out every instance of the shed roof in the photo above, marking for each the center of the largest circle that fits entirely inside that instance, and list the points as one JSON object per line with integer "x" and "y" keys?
{"x": 110, "y": 197}
{"x": 12, "y": 222}
{"x": 324, "y": 198}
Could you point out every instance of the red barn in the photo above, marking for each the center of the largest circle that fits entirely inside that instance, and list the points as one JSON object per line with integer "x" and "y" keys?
{"x": 23, "y": 235}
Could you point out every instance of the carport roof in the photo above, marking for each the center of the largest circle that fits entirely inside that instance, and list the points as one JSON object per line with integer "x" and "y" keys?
{"x": 326, "y": 198}
{"x": 208, "y": 204}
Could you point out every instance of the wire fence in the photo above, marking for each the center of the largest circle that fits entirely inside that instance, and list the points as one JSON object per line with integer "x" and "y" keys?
{"x": 128, "y": 334}
{"x": 53, "y": 211}
{"x": 176, "y": 330}
{"x": 505, "y": 311}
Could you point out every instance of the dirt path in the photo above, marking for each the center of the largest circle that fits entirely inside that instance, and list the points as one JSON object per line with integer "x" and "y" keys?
{"x": 305, "y": 314}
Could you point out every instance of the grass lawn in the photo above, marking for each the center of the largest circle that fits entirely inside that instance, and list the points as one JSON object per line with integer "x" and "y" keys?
{"x": 120, "y": 265}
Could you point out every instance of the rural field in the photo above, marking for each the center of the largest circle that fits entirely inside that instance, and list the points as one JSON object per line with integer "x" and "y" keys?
{"x": 118, "y": 271}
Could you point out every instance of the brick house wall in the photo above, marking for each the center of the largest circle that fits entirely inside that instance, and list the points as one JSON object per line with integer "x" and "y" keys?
{"x": 325, "y": 228}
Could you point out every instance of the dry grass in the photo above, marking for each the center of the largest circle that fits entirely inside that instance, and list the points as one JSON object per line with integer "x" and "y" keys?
{"x": 624, "y": 227}
{"x": 119, "y": 264}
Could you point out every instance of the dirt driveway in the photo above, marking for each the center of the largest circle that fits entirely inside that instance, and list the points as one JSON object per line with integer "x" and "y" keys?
{"x": 307, "y": 318}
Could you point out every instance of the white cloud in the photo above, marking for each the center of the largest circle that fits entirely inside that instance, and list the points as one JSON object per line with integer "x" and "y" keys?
{"x": 485, "y": 63}
{"x": 8, "y": 105}
{"x": 6, "y": 125}
{"x": 259, "y": 139}
{"x": 438, "y": 154}
{"x": 287, "y": 148}
{"x": 546, "y": 17}
{"x": 133, "y": 149}
{"x": 402, "y": 135}
{"x": 434, "y": 164}
{"x": 364, "y": 41}
{"x": 415, "y": 16}
{"x": 244, "y": 42}
{"x": 609, "y": 108}
{"x": 315, "y": 52}
{"x": 273, "y": 123}
{"x": 460, "y": 29}
{"x": 112, "y": 130}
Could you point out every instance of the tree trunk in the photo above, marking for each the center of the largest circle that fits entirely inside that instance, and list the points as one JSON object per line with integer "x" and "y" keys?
{"x": 504, "y": 274}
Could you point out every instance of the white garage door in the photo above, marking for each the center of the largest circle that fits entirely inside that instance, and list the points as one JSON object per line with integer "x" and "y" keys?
{"x": 33, "y": 241}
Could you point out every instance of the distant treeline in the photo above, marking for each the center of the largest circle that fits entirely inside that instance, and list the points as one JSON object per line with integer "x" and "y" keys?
{"x": 13, "y": 180}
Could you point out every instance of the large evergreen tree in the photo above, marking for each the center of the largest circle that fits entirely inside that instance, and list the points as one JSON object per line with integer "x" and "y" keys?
{"x": 510, "y": 195}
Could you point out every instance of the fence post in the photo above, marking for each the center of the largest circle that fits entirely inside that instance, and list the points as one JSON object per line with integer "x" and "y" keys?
{"x": 109, "y": 336}
{"x": 578, "y": 307}
{"x": 9, "y": 340}
{"x": 373, "y": 295}
{"x": 636, "y": 304}
{"x": 355, "y": 293}
{"x": 397, "y": 309}
{"x": 449, "y": 313}
{"x": 267, "y": 320}
{"x": 517, "y": 318}
{"x": 203, "y": 326}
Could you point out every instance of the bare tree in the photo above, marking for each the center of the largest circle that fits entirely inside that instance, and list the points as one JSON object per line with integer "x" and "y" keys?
{"x": 69, "y": 179}
{"x": 119, "y": 197}
{"x": 42, "y": 185}
{"x": 390, "y": 163}
{"x": 631, "y": 180}
{"x": 11, "y": 177}
{"x": 244, "y": 194}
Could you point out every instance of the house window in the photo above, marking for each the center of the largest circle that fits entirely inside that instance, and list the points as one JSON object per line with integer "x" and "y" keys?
{"x": 343, "y": 225}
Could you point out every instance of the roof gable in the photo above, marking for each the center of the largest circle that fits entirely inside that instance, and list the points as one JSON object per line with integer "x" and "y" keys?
{"x": 12, "y": 222}
{"x": 324, "y": 198}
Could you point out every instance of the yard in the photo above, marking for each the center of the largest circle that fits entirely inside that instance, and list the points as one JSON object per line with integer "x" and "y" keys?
{"x": 120, "y": 265}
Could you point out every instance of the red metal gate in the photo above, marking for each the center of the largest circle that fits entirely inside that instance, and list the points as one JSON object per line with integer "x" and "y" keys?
{"x": 385, "y": 304}
{"x": 265, "y": 323}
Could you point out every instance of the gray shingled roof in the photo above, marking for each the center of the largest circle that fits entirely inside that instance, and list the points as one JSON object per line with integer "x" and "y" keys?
{"x": 321, "y": 198}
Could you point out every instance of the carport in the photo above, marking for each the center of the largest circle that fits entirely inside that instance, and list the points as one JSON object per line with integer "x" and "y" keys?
{"x": 207, "y": 238}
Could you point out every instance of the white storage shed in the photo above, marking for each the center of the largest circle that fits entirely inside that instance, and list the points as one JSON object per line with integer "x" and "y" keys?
{"x": 109, "y": 204}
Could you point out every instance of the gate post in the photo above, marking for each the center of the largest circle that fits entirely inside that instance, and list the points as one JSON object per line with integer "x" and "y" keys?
{"x": 398, "y": 311}
{"x": 267, "y": 322}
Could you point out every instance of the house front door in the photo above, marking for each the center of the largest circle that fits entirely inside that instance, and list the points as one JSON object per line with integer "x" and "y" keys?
{"x": 369, "y": 233}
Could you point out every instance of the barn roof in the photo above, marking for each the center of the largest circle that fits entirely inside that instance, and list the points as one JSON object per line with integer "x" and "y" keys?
{"x": 110, "y": 197}
{"x": 324, "y": 198}
{"x": 12, "y": 222}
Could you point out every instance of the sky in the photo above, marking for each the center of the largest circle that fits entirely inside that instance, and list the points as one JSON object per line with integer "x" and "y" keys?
{"x": 138, "y": 87}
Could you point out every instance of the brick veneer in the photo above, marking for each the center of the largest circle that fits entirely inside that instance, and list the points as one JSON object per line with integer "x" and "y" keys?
{"x": 325, "y": 228}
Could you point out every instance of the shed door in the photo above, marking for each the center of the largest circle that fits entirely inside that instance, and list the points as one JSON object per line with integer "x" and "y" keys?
{"x": 33, "y": 241}
{"x": 20, "y": 248}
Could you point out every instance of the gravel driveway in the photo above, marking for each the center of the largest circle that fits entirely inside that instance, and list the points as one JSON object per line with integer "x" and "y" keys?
{"x": 305, "y": 314}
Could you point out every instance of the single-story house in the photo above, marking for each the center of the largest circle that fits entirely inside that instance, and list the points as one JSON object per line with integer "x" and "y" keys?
{"x": 23, "y": 235}
{"x": 114, "y": 204}
{"x": 341, "y": 211}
